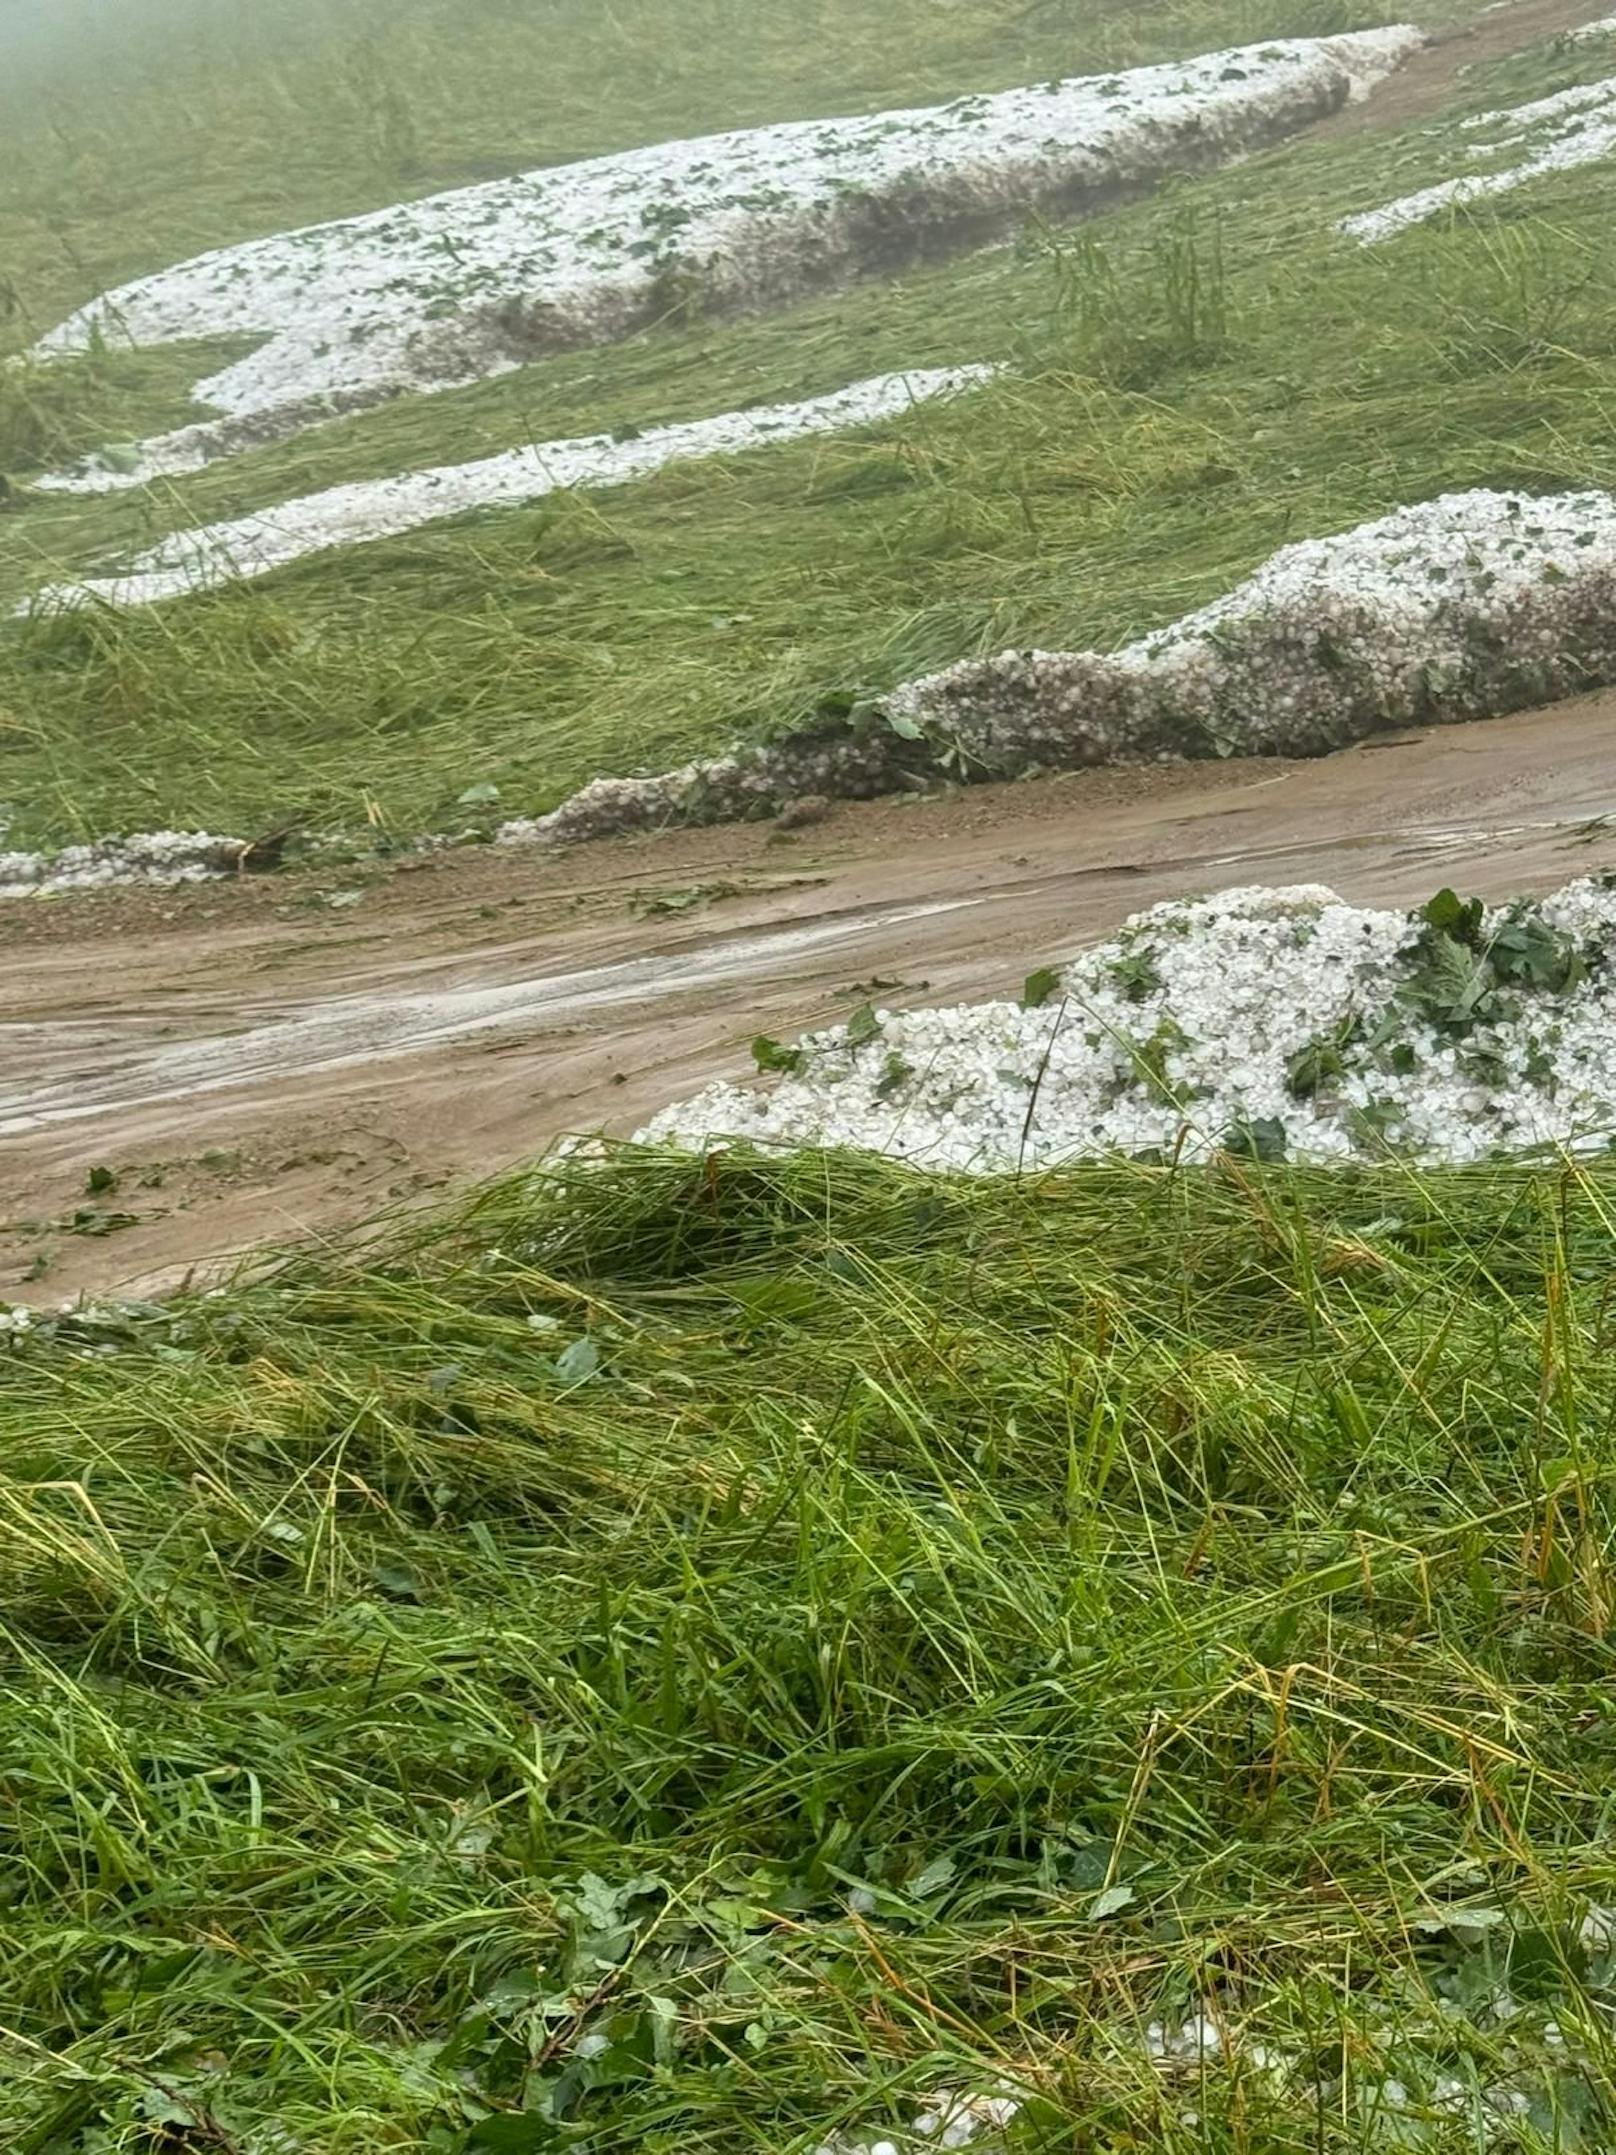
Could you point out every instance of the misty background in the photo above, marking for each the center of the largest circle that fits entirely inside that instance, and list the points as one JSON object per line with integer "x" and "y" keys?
{"x": 48, "y": 44}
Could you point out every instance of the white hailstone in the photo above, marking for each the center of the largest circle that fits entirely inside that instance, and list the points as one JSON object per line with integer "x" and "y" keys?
{"x": 1197, "y": 2039}
{"x": 1466, "y": 606}
{"x": 1204, "y": 1021}
{"x": 954, "y": 2120}
{"x": 460, "y": 286}
{"x": 951, "y": 2118}
{"x": 14, "y": 1322}
{"x": 245, "y": 547}
{"x": 1573, "y": 127}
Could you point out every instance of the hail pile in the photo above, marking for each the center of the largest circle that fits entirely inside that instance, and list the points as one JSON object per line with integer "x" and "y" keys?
{"x": 1469, "y": 606}
{"x": 460, "y": 286}
{"x": 1279, "y": 1023}
{"x": 1552, "y": 134}
{"x": 244, "y": 547}
{"x": 148, "y": 857}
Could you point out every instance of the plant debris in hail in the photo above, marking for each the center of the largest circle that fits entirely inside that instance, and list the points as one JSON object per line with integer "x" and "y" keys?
{"x": 1274, "y": 1023}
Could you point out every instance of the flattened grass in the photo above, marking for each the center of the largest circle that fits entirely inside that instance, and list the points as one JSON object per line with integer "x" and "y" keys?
{"x": 818, "y": 1635}
{"x": 1136, "y": 459}
{"x": 149, "y": 131}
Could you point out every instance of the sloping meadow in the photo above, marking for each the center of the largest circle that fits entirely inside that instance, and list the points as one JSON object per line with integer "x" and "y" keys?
{"x": 437, "y": 293}
{"x": 730, "y": 1653}
{"x": 1471, "y": 606}
{"x": 1183, "y": 388}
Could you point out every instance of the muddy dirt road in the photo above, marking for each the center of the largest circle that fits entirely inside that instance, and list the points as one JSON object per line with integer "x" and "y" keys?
{"x": 1425, "y": 84}
{"x": 257, "y": 1062}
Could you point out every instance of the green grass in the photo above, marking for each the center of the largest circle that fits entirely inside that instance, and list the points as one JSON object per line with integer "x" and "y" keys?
{"x": 931, "y": 1631}
{"x": 1131, "y": 464}
{"x": 126, "y": 152}
{"x": 813, "y": 1635}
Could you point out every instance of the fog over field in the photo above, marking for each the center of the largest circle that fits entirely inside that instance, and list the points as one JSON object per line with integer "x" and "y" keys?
{"x": 45, "y": 44}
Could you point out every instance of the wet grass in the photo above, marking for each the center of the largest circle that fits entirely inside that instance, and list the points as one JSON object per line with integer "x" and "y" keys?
{"x": 130, "y": 150}
{"x": 1131, "y": 463}
{"x": 699, "y": 1655}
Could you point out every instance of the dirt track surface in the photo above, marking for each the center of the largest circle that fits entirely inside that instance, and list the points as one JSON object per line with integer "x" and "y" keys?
{"x": 1424, "y": 84}
{"x": 255, "y": 1063}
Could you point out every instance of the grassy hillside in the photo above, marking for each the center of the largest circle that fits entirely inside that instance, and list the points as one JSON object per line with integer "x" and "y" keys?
{"x": 719, "y": 1656}
{"x": 131, "y": 145}
{"x": 1190, "y": 383}
{"x": 707, "y": 1655}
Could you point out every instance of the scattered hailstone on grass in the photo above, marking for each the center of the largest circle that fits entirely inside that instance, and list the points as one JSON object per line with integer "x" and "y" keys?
{"x": 950, "y": 2118}
{"x": 1574, "y": 127}
{"x": 460, "y": 286}
{"x": 244, "y": 547}
{"x": 1198, "y": 2038}
{"x": 1467, "y": 606}
{"x": 1277, "y": 1022}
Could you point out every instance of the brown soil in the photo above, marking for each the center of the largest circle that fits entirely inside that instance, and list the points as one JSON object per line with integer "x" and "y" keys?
{"x": 1425, "y": 83}
{"x": 253, "y": 1063}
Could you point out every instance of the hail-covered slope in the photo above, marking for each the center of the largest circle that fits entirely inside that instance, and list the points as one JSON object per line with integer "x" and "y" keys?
{"x": 1468, "y": 606}
{"x": 250, "y": 546}
{"x": 1269, "y": 1021}
{"x": 1553, "y": 134}
{"x": 463, "y": 285}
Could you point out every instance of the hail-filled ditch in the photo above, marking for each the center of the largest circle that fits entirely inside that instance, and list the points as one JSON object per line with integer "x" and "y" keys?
{"x": 1272, "y": 1023}
{"x": 460, "y": 286}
